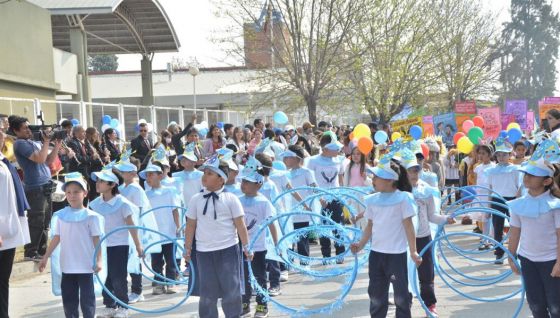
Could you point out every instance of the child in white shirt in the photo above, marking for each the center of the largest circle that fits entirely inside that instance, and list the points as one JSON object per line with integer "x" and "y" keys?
{"x": 484, "y": 153}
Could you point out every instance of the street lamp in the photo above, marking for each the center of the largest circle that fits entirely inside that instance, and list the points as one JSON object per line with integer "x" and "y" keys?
{"x": 194, "y": 71}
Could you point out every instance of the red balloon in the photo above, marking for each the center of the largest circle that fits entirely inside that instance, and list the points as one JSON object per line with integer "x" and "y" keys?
{"x": 457, "y": 137}
{"x": 478, "y": 121}
{"x": 425, "y": 150}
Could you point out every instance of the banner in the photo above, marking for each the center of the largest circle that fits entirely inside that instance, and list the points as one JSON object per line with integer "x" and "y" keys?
{"x": 403, "y": 126}
{"x": 552, "y": 100}
{"x": 506, "y": 119}
{"x": 428, "y": 125}
{"x": 460, "y": 118}
{"x": 544, "y": 107}
{"x": 465, "y": 107}
{"x": 446, "y": 127}
{"x": 530, "y": 121}
{"x": 492, "y": 123}
{"x": 518, "y": 108}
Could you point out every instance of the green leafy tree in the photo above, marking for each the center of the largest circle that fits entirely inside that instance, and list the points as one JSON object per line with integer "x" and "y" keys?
{"x": 103, "y": 63}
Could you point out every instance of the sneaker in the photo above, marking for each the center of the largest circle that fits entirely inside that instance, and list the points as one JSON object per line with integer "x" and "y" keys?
{"x": 477, "y": 230}
{"x": 484, "y": 247}
{"x": 274, "y": 291}
{"x": 121, "y": 313}
{"x": 133, "y": 298}
{"x": 171, "y": 289}
{"x": 246, "y": 309}
{"x": 284, "y": 276}
{"x": 261, "y": 312}
{"x": 499, "y": 260}
{"x": 158, "y": 290}
{"x": 106, "y": 313}
{"x": 340, "y": 261}
{"x": 433, "y": 311}
{"x": 33, "y": 258}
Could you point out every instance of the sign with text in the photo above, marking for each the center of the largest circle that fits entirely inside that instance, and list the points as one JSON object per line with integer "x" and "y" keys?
{"x": 403, "y": 126}
{"x": 518, "y": 108}
{"x": 465, "y": 107}
{"x": 492, "y": 124}
{"x": 428, "y": 125}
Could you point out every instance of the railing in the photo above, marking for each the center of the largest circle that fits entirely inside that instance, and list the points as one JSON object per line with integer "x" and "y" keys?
{"x": 128, "y": 115}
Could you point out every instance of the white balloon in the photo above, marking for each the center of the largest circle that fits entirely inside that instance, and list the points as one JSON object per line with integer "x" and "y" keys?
{"x": 142, "y": 121}
{"x": 171, "y": 124}
{"x": 150, "y": 127}
{"x": 204, "y": 124}
{"x": 105, "y": 127}
{"x": 61, "y": 120}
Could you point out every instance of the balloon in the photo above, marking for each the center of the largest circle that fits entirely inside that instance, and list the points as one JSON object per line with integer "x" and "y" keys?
{"x": 467, "y": 125}
{"x": 514, "y": 134}
{"x": 478, "y": 121}
{"x": 457, "y": 137}
{"x": 106, "y": 119}
{"x": 142, "y": 121}
{"x": 280, "y": 118}
{"x": 380, "y": 137}
{"x": 362, "y": 130}
{"x": 204, "y": 124}
{"x": 464, "y": 145}
{"x": 61, "y": 120}
{"x": 137, "y": 128}
{"x": 475, "y": 134}
{"x": 75, "y": 122}
{"x": 220, "y": 124}
{"x": 425, "y": 150}
{"x": 365, "y": 145}
{"x": 513, "y": 125}
{"x": 203, "y": 132}
{"x": 114, "y": 123}
{"x": 150, "y": 127}
{"x": 105, "y": 127}
{"x": 352, "y": 136}
{"x": 503, "y": 134}
{"x": 416, "y": 132}
{"x": 396, "y": 135}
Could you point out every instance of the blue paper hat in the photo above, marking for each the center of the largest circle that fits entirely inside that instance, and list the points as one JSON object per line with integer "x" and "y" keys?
{"x": 74, "y": 177}
{"x": 213, "y": 164}
{"x": 502, "y": 145}
{"x": 290, "y": 154}
{"x": 263, "y": 145}
{"x": 105, "y": 175}
{"x": 125, "y": 155}
{"x": 160, "y": 155}
{"x": 537, "y": 168}
{"x": 109, "y": 166}
{"x": 150, "y": 168}
{"x": 126, "y": 166}
{"x": 548, "y": 150}
{"x": 250, "y": 171}
{"x": 334, "y": 146}
{"x": 383, "y": 169}
{"x": 189, "y": 153}
{"x": 407, "y": 158}
{"x": 226, "y": 155}
{"x": 254, "y": 177}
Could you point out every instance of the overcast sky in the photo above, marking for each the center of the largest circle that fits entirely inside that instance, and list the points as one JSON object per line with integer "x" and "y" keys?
{"x": 196, "y": 24}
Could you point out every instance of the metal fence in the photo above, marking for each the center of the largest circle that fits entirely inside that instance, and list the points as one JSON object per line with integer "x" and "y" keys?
{"x": 128, "y": 115}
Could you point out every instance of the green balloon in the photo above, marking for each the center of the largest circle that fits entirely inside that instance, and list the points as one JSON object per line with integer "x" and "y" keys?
{"x": 475, "y": 134}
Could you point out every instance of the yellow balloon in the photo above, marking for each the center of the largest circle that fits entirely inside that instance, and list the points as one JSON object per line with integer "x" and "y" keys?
{"x": 464, "y": 145}
{"x": 362, "y": 130}
{"x": 513, "y": 125}
{"x": 396, "y": 135}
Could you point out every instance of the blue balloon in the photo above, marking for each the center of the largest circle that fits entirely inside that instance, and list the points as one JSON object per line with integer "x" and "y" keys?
{"x": 220, "y": 124}
{"x": 381, "y": 137}
{"x": 75, "y": 122}
{"x": 503, "y": 134}
{"x": 279, "y": 165}
{"x": 280, "y": 118}
{"x": 114, "y": 123}
{"x": 137, "y": 128}
{"x": 514, "y": 135}
{"x": 416, "y": 132}
{"x": 106, "y": 119}
{"x": 203, "y": 132}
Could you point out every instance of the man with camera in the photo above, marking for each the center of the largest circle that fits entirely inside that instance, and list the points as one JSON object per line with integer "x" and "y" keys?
{"x": 34, "y": 158}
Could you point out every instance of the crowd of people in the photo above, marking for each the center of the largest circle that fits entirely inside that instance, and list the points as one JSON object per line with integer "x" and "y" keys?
{"x": 227, "y": 180}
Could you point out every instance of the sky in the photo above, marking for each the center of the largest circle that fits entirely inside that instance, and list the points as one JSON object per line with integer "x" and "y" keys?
{"x": 196, "y": 25}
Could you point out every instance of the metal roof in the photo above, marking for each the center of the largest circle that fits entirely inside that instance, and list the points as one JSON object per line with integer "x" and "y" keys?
{"x": 113, "y": 26}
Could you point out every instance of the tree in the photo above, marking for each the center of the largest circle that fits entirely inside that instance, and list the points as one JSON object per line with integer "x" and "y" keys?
{"x": 530, "y": 49}
{"x": 308, "y": 50}
{"x": 467, "y": 42}
{"x": 103, "y": 63}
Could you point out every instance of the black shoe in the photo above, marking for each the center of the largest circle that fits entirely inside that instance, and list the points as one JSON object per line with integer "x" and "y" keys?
{"x": 33, "y": 258}
{"x": 477, "y": 230}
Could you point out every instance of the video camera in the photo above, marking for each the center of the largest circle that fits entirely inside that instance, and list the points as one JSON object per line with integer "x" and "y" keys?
{"x": 51, "y": 131}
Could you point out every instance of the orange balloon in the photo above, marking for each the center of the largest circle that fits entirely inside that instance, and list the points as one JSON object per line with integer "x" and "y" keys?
{"x": 365, "y": 145}
{"x": 351, "y": 136}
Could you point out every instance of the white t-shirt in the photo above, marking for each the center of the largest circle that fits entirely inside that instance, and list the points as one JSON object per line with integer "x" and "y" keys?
{"x": 302, "y": 177}
{"x": 190, "y": 182}
{"x": 481, "y": 177}
{"x": 538, "y": 241}
{"x": 269, "y": 190}
{"x": 505, "y": 184}
{"x": 213, "y": 234}
{"x": 76, "y": 244}
{"x": 426, "y": 211}
{"x": 326, "y": 170}
{"x": 115, "y": 212}
{"x": 388, "y": 234}
{"x": 164, "y": 197}
{"x": 257, "y": 210}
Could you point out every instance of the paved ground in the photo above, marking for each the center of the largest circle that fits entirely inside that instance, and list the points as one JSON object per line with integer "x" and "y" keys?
{"x": 32, "y": 297}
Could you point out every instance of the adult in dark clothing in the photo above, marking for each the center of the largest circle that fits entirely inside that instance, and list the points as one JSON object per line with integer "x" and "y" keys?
{"x": 82, "y": 160}
{"x": 110, "y": 144}
{"x": 141, "y": 145}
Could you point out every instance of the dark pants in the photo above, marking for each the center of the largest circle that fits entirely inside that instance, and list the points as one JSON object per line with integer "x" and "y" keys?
{"x": 39, "y": 218}
{"x": 136, "y": 282}
{"x": 77, "y": 289}
{"x": 498, "y": 222}
{"x": 273, "y": 269}
{"x": 385, "y": 269}
{"x": 220, "y": 274}
{"x": 303, "y": 242}
{"x": 117, "y": 260}
{"x": 334, "y": 210}
{"x": 168, "y": 257}
{"x": 455, "y": 183}
{"x": 6, "y": 263}
{"x": 426, "y": 272}
{"x": 258, "y": 265}
{"x": 543, "y": 291}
